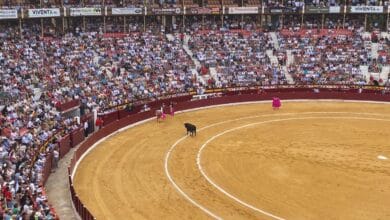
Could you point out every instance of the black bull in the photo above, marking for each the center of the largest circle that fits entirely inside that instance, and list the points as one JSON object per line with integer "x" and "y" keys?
{"x": 190, "y": 129}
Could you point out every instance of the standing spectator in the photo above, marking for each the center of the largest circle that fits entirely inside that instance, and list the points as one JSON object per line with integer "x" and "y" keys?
{"x": 129, "y": 107}
{"x": 86, "y": 128}
{"x": 99, "y": 123}
{"x": 56, "y": 157}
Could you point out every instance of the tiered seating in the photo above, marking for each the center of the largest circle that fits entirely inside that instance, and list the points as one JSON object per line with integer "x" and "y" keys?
{"x": 213, "y": 3}
{"x": 189, "y": 3}
{"x": 327, "y": 59}
{"x": 253, "y": 3}
{"x": 101, "y": 72}
{"x": 230, "y": 3}
{"x": 239, "y": 58}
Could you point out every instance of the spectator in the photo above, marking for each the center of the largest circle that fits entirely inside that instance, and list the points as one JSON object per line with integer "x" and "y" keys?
{"x": 99, "y": 123}
{"x": 86, "y": 128}
{"x": 56, "y": 157}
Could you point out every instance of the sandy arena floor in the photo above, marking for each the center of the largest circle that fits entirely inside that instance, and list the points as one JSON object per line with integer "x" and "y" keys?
{"x": 308, "y": 160}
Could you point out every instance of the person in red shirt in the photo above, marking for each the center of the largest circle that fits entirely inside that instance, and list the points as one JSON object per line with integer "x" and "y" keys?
{"x": 99, "y": 122}
{"x": 7, "y": 195}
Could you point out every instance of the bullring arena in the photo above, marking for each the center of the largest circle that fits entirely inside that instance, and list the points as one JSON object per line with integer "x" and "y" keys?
{"x": 308, "y": 160}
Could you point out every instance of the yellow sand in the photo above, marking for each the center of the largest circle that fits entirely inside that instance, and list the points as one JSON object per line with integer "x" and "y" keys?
{"x": 302, "y": 165}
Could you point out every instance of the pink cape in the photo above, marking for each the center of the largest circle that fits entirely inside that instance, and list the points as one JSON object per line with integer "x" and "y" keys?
{"x": 276, "y": 102}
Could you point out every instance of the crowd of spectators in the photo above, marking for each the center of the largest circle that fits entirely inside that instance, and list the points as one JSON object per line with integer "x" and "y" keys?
{"x": 30, "y": 123}
{"x": 383, "y": 57}
{"x": 327, "y": 59}
{"x": 327, "y": 54}
{"x": 239, "y": 57}
{"x": 38, "y": 74}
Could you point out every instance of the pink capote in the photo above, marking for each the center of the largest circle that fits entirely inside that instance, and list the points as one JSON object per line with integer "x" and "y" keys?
{"x": 276, "y": 103}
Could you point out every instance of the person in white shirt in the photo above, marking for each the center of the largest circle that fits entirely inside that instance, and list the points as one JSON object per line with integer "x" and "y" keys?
{"x": 56, "y": 158}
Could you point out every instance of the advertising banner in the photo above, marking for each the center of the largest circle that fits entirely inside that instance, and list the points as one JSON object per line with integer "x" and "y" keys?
{"x": 243, "y": 10}
{"x": 8, "y": 14}
{"x": 85, "y": 11}
{"x": 334, "y": 9}
{"x": 317, "y": 9}
{"x": 202, "y": 11}
{"x": 126, "y": 11}
{"x": 166, "y": 11}
{"x": 277, "y": 10}
{"x": 366, "y": 9}
{"x": 44, "y": 13}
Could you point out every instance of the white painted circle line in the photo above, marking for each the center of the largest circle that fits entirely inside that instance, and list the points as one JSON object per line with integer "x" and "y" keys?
{"x": 198, "y": 157}
{"x": 168, "y": 154}
{"x": 178, "y": 188}
{"x": 381, "y": 157}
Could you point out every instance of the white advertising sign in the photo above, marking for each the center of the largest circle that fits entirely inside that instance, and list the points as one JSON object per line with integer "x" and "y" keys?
{"x": 366, "y": 9}
{"x": 126, "y": 11}
{"x": 44, "y": 12}
{"x": 8, "y": 14}
{"x": 334, "y": 9}
{"x": 85, "y": 11}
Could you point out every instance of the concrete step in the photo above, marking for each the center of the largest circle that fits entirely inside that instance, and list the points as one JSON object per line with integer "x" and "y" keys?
{"x": 213, "y": 73}
{"x": 364, "y": 70}
{"x": 374, "y": 50}
{"x": 273, "y": 58}
{"x": 274, "y": 39}
{"x": 196, "y": 61}
{"x": 289, "y": 78}
{"x": 198, "y": 76}
{"x": 290, "y": 57}
{"x": 170, "y": 37}
{"x": 384, "y": 75}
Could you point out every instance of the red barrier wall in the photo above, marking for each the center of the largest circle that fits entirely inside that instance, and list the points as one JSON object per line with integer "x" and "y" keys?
{"x": 116, "y": 120}
{"x": 47, "y": 168}
{"x": 77, "y": 136}
{"x": 64, "y": 145}
{"x": 118, "y": 114}
{"x": 68, "y": 105}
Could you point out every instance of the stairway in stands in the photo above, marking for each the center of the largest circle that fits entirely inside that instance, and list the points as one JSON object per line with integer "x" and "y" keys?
{"x": 274, "y": 59}
{"x": 366, "y": 74}
{"x": 374, "y": 50}
{"x": 290, "y": 57}
{"x": 386, "y": 69}
{"x": 384, "y": 75}
{"x": 274, "y": 39}
{"x": 290, "y": 61}
{"x": 202, "y": 78}
{"x": 194, "y": 71}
